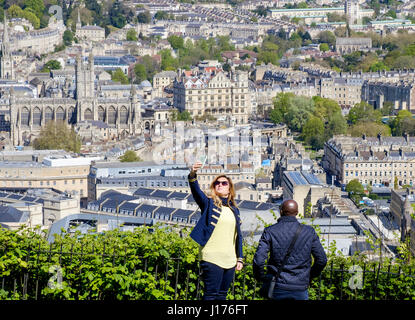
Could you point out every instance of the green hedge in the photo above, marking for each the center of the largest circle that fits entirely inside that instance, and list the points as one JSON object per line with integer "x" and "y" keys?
{"x": 160, "y": 263}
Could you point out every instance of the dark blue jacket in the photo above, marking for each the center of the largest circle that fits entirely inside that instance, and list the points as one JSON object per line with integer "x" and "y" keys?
{"x": 210, "y": 214}
{"x": 275, "y": 240}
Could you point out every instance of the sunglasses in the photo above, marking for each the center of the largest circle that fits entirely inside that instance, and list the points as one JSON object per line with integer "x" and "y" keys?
{"x": 223, "y": 183}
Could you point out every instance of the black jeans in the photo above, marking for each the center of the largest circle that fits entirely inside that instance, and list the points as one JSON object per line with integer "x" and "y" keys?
{"x": 216, "y": 280}
{"x": 280, "y": 294}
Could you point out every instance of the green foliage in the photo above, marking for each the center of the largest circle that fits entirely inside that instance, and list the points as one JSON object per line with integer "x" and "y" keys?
{"x": 144, "y": 264}
{"x": 327, "y": 37}
{"x": 324, "y": 47}
{"x": 116, "y": 15}
{"x": 313, "y": 132}
{"x": 68, "y": 37}
{"x": 144, "y": 17}
{"x": 131, "y": 35}
{"x": 363, "y": 111}
{"x": 51, "y": 65}
{"x": 176, "y": 42}
{"x": 175, "y": 115}
{"x": 161, "y": 15}
{"x": 15, "y": 11}
{"x": 35, "y": 6}
{"x": 167, "y": 60}
{"x": 355, "y": 187}
{"x": 130, "y": 156}
{"x": 318, "y": 119}
{"x": 119, "y": 76}
{"x": 402, "y": 123}
{"x": 369, "y": 129}
{"x": 292, "y": 110}
{"x": 57, "y": 135}
{"x": 140, "y": 72}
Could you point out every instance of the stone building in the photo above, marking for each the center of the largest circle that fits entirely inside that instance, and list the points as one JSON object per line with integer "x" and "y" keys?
{"x": 401, "y": 93}
{"x": 349, "y": 45}
{"x": 345, "y": 91}
{"x": 66, "y": 175}
{"x": 162, "y": 80}
{"x": 352, "y": 11}
{"x": 35, "y": 207}
{"x": 28, "y": 115}
{"x": 214, "y": 93}
{"x": 401, "y": 208}
{"x": 7, "y": 63}
{"x": 372, "y": 160}
{"x": 89, "y": 33}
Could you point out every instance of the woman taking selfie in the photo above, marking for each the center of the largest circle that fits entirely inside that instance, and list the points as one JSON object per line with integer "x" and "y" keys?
{"x": 218, "y": 233}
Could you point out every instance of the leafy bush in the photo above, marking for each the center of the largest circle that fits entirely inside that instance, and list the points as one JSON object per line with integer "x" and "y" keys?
{"x": 161, "y": 263}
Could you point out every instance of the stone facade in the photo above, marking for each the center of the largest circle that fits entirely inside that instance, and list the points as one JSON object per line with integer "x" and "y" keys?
{"x": 401, "y": 93}
{"x": 372, "y": 160}
{"x": 345, "y": 91}
{"x": 349, "y": 45}
{"x": 28, "y": 115}
{"x": 214, "y": 93}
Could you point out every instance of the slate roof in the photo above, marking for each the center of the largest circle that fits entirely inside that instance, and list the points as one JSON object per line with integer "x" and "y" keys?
{"x": 11, "y": 214}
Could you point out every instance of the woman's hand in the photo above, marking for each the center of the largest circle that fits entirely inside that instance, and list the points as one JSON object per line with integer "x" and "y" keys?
{"x": 196, "y": 166}
{"x": 239, "y": 266}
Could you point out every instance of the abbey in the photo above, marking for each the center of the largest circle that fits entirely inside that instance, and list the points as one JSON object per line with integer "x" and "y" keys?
{"x": 27, "y": 115}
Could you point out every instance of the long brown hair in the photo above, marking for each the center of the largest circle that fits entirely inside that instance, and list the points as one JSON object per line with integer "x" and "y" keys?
{"x": 231, "y": 196}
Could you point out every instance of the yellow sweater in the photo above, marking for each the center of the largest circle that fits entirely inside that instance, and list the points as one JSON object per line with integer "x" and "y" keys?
{"x": 220, "y": 248}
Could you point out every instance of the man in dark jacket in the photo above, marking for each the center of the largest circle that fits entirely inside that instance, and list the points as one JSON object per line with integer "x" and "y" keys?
{"x": 295, "y": 275}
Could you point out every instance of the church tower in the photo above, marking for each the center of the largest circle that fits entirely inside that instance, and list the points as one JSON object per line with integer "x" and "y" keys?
{"x": 85, "y": 87}
{"x": 85, "y": 78}
{"x": 7, "y": 70}
{"x": 352, "y": 11}
{"x": 78, "y": 25}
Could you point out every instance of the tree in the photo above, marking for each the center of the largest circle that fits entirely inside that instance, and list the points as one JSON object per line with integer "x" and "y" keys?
{"x": 387, "y": 108}
{"x": 363, "y": 111}
{"x": 402, "y": 62}
{"x": 267, "y": 57}
{"x": 51, "y": 65}
{"x": 327, "y": 37}
{"x": 176, "y": 42}
{"x": 355, "y": 187}
{"x": 35, "y": 6}
{"x": 57, "y": 135}
{"x": 401, "y": 123}
{"x": 117, "y": 18}
{"x": 16, "y": 12}
{"x": 313, "y": 132}
{"x": 336, "y": 125}
{"x": 378, "y": 66}
{"x": 281, "y": 105}
{"x": 369, "y": 129}
{"x": 140, "y": 72}
{"x": 180, "y": 116}
{"x": 130, "y": 156}
{"x": 131, "y": 35}
{"x": 324, "y": 47}
{"x": 167, "y": 60}
{"x": 161, "y": 15}
{"x": 67, "y": 37}
{"x": 119, "y": 76}
{"x": 144, "y": 17}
